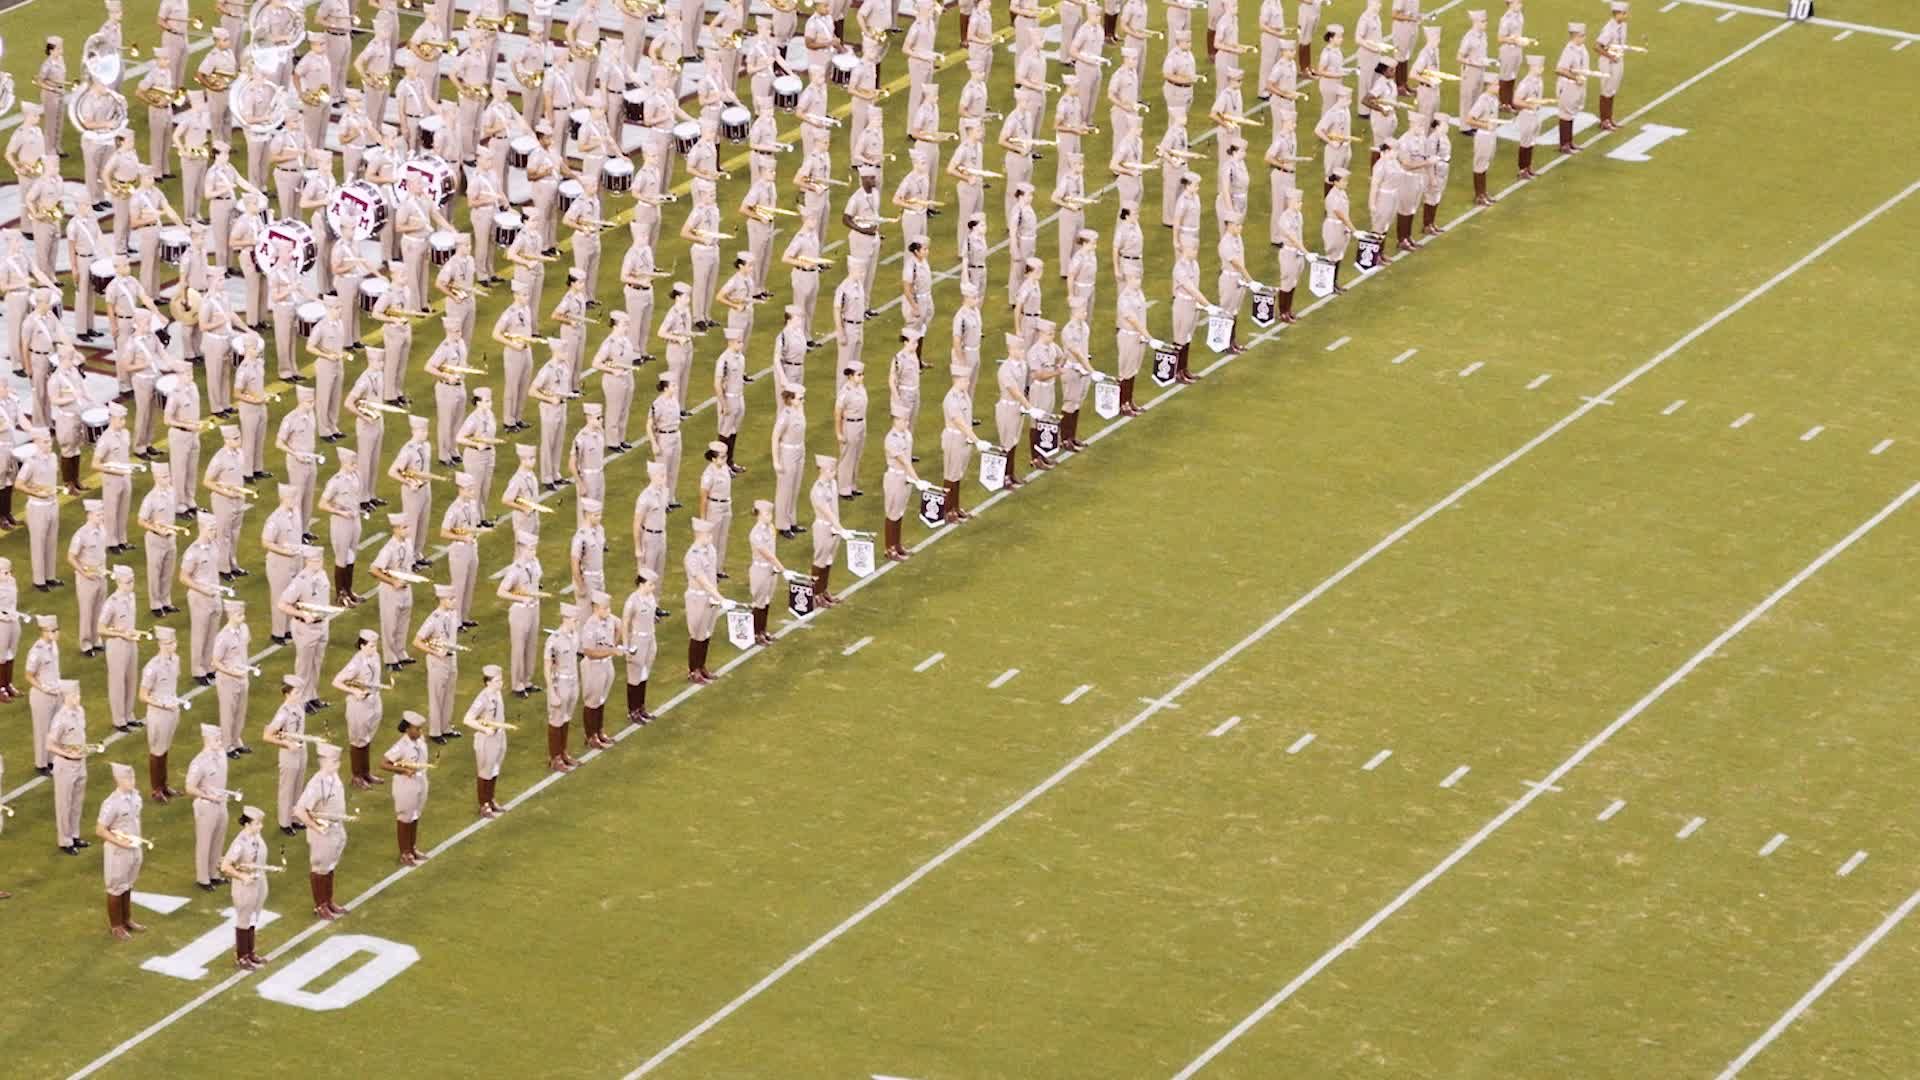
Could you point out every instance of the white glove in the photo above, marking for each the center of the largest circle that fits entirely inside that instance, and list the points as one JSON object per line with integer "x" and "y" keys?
{"x": 1035, "y": 413}
{"x": 982, "y": 445}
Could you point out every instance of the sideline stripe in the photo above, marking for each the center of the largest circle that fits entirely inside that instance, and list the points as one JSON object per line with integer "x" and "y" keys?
{"x": 1826, "y": 982}
{"x": 1835, "y": 24}
{"x": 1534, "y": 791}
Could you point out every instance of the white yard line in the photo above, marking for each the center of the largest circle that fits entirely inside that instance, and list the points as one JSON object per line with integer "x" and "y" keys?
{"x": 1376, "y": 761}
{"x": 1337, "y": 342}
{"x": 1773, "y": 845}
{"x": 929, "y": 661}
{"x": 1454, "y": 777}
{"x": 1227, "y": 725}
{"x": 1471, "y": 368}
{"x": 1535, "y": 790}
{"x": 1613, "y": 808}
{"x": 857, "y": 646}
{"x": 1076, "y": 693}
{"x": 1678, "y": 404}
{"x": 1774, "y": 13}
{"x": 1538, "y": 382}
{"x": 1405, "y": 356}
{"x": 1826, "y": 982}
{"x": 1880, "y": 447}
{"x": 1741, "y": 420}
{"x": 1692, "y": 826}
{"x": 1812, "y": 433}
{"x": 1852, "y": 862}
{"x": 1301, "y": 743}
{"x": 1003, "y": 678}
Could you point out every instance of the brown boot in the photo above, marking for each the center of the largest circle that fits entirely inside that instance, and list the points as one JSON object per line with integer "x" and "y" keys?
{"x": 557, "y": 748}
{"x": 126, "y": 914}
{"x": 1035, "y": 459}
{"x": 955, "y": 512}
{"x": 1606, "y": 115}
{"x": 1428, "y": 213}
{"x": 696, "y": 656}
{"x": 1403, "y": 227}
{"x": 480, "y": 797}
{"x": 317, "y": 884}
{"x": 1480, "y": 196}
{"x": 1303, "y": 55}
{"x": 1400, "y": 72}
{"x": 821, "y": 574}
{"x": 1567, "y": 145}
{"x": 7, "y": 690}
{"x": 1127, "y": 407}
{"x": 760, "y": 635}
{"x": 406, "y": 848}
{"x": 70, "y": 471}
{"x": 1506, "y": 97}
{"x": 1526, "y": 163}
{"x": 7, "y": 520}
{"x": 637, "y": 704}
{"x": 413, "y": 841}
{"x": 240, "y": 950}
{"x": 894, "y": 550}
{"x": 331, "y": 906}
{"x": 156, "y": 778}
{"x": 1286, "y": 307}
{"x": 1180, "y": 372}
{"x": 114, "y": 927}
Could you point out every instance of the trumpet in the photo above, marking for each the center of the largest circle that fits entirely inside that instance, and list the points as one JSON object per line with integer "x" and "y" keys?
{"x": 260, "y": 868}
{"x": 492, "y": 727}
{"x": 318, "y": 609}
{"x": 84, "y": 748}
{"x": 462, "y": 369}
{"x": 410, "y": 766}
{"x": 1436, "y": 73}
{"x": 407, "y": 576}
{"x": 536, "y": 507}
{"x": 772, "y": 210}
{"x": 420, "y": 477}
{"x": 130, "y": 841}
{"x": 336, "y": 819}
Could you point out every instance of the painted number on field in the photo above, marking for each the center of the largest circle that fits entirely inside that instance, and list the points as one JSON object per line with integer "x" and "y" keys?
{"x": 384, "y": 960}
{"x": 191, "y": 960}
{"x": 1648, "y": 137}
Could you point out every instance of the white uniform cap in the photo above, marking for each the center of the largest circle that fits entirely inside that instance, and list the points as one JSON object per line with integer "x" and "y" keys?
{"x": 209, "y": 731}
{"x": 122, "y": 771}
{"x": 826, "y": 461}
{"x": 163, "y": 633}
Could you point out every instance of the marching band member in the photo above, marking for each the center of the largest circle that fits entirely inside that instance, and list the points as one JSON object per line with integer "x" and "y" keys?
{"x": 123, "y": 659}
{"x": 287, "y": 730}
{"x": 412, "y": 469}
{"x": 704, "y": 602}
{"x": 1613, "y": 48}
{"x": 87, "y": 555}
{"x": 487, "y": 716}
{"x": 522, "y": 492}
{"x": 322, "y": 808}
{"x": 823, "y": 496}
{"x": 561, "y": 659}
{"x": 392, "y": 567}
{"x": 587, "y": 549}
{"x": 245, "y": 865}
{"x": 614, "y": 361}
{"x": 520, "y": 588}
{"x": 1406, "y": 16}
{"x": 206, "y": 785}
{"x": 200, "y": 574}
{"x": 850, "y": 426}
{"x": 897, "y": 449}
{"x": 232, "y": 677}
{"x": 305, "y": 602}
{"x": 1570, "y": 82}
{"x": 650, "y": 522}
{"x": 359, "y": 680}
{"x": 716, "y": 501}
{"x": 407, "y": 760}
{"x": 437, "y": 638}
{"x": 551, "y": 390}
{"x": 1291, "y": 227}
{"x": 460, "y": 527}
{"x": 118, "y": 826}
{"x": 280, "y": 538}
{"x": 599, "y": 641}
{"x": 513, "y": 331}
{"x": 1527, "y": 99}
{"x": 447, "y": 367}
{"x": 766, "y": 568}
{"x": 478, "y": 434}
{"x": 36, "y": 481}
{"x": 66, "y": 741}
{"x": 340, "y": 501}
{"x": 587, "y": 455}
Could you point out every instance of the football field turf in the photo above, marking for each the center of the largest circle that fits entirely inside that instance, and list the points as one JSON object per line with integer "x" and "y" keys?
{"x": 1501, "y": 672}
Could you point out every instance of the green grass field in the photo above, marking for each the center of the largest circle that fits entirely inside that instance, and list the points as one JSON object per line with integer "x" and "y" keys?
{"x": 1425, "y": 693}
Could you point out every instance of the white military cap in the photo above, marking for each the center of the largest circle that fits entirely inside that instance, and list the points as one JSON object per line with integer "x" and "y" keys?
{"x": 702, "y": 525}
{"x": 209, "y": 731}
{"x": 123, "y": 573}
{"x": 491, "y": 671}
{"x": 443, "y": 592}
{"x": 163, "y": 633}
{"x": 826, "y": 461}
{"x": 327, "y": 752}
{"x": 600, "y": 599}
{"x": 122, "y": 771}
{"x": 291, "y": 682}
{"x": 92, "y": 506}
{"x": 1576, "y": 28}
{"x": 590, "y": 506}
{"x": 397, "y": 519}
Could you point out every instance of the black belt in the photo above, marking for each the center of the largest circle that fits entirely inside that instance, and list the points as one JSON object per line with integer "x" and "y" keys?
{"x": 711, "y": 499}
{"x": 656, "y": 532}
{"x": 668, "y": 431}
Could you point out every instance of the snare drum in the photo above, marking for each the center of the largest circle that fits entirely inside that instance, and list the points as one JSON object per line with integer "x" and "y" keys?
{"x": 309, "y": 315}
{"x": 506, "y": 227}
{"x": 166, "y": 384}
{"x": 616, "y": 176}
{"x": 440, "y": 246}
{"x": 734, "y": 122}
{"x": 685, "y": 134}
{"x": 576, "y": 120}
{"x": 431, "y": 129}
{"x": 95, "y": 420}
{"x": 569, "y": 191}
{"x": 173, "y": 245}
{"x": 520, "y": 151}
{"x": 371, "y": 290}
{"x": 841, "y": 68}
{"x": 634, "y": 109}
{"x": 286, "y": 239}
{"x": 357, "y": 210}
{"x": 101, "y": 271}
{"x": 786, "y": 92}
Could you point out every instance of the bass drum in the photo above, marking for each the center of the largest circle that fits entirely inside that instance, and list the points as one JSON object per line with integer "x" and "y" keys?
{"x": 284, "y": 241}
{"x": 435, "y": 172}
{"x": 358, "y": 209}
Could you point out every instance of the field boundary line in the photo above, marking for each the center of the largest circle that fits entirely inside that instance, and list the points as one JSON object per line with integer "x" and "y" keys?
{"x": 1534, "y": 791}
{"x": 1833, "y": 975}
